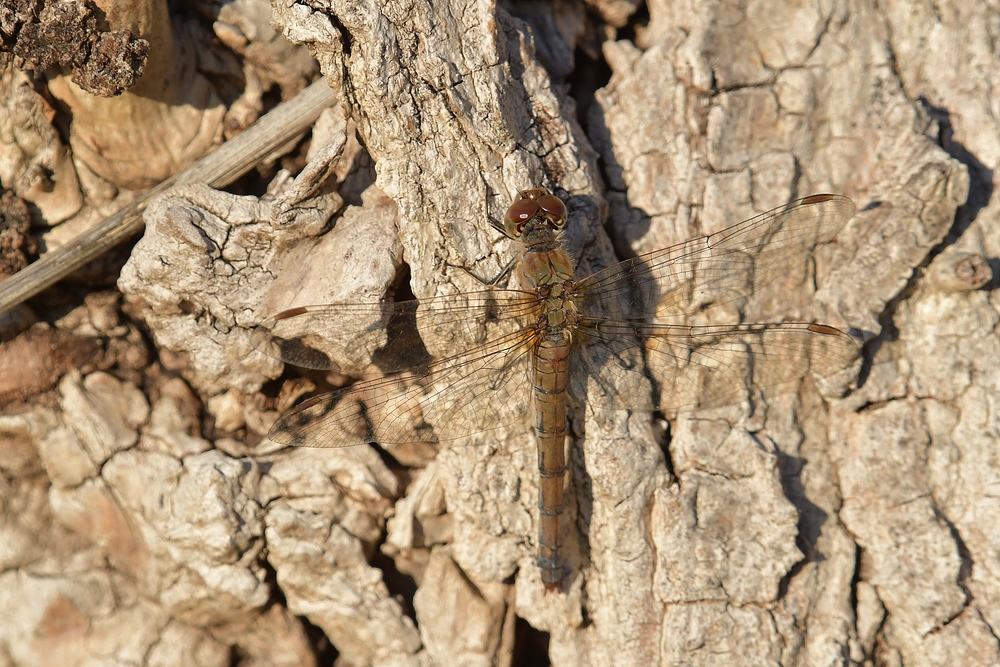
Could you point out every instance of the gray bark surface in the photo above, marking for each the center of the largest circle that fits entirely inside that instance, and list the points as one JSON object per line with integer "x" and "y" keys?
{"x": 850, "y": 520}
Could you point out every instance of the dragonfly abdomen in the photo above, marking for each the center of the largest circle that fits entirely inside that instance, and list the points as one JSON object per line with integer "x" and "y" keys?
{"x": 551, "y": 378}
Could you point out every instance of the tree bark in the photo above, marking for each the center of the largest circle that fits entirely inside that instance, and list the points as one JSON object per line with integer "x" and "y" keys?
{"x": 846, "y": 520}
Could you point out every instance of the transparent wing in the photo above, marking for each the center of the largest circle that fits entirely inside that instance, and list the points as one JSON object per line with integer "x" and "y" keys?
{"x": 719, "y": 268}
{"x": 349, "y": 337}
{"x": 705, "y": 366}
{"x": 488, "y": 385}
{"x": 479, "y": 390}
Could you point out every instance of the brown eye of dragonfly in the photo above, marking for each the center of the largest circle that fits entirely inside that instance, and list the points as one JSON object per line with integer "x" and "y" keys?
{"x": 518, "y": 214}
{"x": 555, "y": 208}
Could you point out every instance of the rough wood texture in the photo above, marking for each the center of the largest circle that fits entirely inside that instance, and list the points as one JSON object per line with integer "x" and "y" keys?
{"x": 811, "y": 529}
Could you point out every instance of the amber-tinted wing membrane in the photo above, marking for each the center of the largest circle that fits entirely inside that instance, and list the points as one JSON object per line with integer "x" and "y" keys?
{"x": 482, "y": 389}
{"x": 707, "y": 366}
{"x": 719, "y": 268}
{"x": 346, "y": 337}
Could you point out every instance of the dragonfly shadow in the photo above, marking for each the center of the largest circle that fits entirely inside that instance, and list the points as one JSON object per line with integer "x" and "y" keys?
{"x": 295, "y": 348}
{"x": 812, "y": 518}
{"x": 404, "y": 348}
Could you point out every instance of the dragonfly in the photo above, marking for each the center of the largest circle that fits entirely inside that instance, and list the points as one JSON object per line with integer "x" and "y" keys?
{"x": 654, "y": 332}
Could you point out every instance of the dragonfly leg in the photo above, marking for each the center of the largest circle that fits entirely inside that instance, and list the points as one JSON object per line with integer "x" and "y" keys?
{"x": 493, "y": 282}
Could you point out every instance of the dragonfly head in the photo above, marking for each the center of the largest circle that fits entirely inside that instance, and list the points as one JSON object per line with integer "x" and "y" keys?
{"x": 537, "y": 206}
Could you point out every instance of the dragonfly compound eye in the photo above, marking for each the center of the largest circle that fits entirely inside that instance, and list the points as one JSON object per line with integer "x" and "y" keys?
{"x": 518, "y": 214}
{"x": 555, "y": 208}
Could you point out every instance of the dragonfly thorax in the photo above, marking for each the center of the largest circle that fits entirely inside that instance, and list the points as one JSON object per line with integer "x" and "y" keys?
{"x": 544, "y": 264}
{"x": 557, "y": 307}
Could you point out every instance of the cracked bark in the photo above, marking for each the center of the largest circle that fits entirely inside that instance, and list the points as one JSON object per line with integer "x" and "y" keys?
{"x": 814, "y": 529}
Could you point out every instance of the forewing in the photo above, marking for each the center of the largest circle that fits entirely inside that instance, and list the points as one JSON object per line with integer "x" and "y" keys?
{"x": 719, "y": 268}
{"x": 349, "y": 337}
{"x": 706, "y": 366}
{"x": 485, "y": 388}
